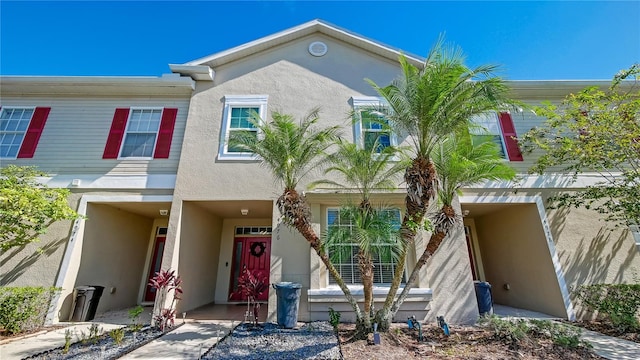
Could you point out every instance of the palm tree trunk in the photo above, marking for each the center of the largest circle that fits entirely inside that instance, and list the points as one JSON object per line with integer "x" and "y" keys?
{"x": 366, "y": 274}
{"x": 296, "y": 213}
{"x": 421, "y": 180}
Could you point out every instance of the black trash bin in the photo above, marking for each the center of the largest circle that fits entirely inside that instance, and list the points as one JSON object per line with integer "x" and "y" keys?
{"x": 93, "y": 303}
{"x": 484, "y": 297}
{"x": 288, "y": 295}
{"x": 85, "y": 302}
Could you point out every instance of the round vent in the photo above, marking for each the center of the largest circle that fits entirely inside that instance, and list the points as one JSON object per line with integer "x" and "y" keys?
{"x": 317, "y": 48}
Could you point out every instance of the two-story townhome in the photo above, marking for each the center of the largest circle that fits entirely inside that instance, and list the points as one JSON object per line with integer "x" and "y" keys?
{"x": 208, "y": 210}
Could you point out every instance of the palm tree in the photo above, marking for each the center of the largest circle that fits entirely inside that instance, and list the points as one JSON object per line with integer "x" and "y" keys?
{"x": 427, "y": 104}
{"x": 366, "y": 170}
{"x": 459, "y": 163}
{"x": 290, "y": 151}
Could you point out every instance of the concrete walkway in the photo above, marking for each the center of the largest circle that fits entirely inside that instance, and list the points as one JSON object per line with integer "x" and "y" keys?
{"x": 189, "y": 341}
{"x": 612, "y": 347}
{"x": 16, "y": 349}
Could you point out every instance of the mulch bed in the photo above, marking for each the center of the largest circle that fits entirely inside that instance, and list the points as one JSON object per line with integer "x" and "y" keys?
{"x": 607, "y": 328}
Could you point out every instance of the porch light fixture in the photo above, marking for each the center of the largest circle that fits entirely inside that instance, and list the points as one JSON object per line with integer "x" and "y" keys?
{"x": 465, "y": 213}
{"x": 244, "y": 212}
{"x": 164, "y": 212}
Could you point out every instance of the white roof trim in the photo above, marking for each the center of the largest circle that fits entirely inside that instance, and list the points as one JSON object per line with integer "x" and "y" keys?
{"x": 196, "y": 72}
{"x": 301, "y": 31}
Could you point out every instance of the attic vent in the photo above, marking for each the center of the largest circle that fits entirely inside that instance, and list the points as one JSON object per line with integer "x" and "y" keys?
{"x": 317, "y": 48}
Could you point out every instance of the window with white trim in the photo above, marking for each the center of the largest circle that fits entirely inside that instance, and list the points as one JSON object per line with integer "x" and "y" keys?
{"x": 487, "y": 128}
{"x": 370, "y": 126}
{"x": 347, "y": 263}
{"x": 142, "y": 130}
{"x": 239, "y": 111}
{"x": 14, "y": 123}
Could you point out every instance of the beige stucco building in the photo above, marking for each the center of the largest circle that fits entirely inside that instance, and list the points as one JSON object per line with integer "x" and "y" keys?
{"x": 148, "y": 165}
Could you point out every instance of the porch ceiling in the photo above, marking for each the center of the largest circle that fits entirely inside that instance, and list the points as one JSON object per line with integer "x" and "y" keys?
{"x": 477, "y": 210}
{"x": 147, "y": 209}
{"x": 258, "y": 209}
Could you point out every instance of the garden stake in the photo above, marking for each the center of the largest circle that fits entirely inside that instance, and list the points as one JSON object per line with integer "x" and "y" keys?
{"x": 415, "y": 324}
{"x": 376, "y": 336}
{"x": 443, "y": 325}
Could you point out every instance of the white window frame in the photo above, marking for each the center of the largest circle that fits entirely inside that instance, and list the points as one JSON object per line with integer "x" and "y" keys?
{"x": 234, "y": 101}
{"x": 487, "y": 131}
{"x": 358, "y": 131}
{"x": 355, "y": 265}
{"x": 24, "y": 133}
{"x": 126, "y": 132}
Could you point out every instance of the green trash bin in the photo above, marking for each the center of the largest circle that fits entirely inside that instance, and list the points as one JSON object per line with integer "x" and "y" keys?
{"x": 288, "y": 295}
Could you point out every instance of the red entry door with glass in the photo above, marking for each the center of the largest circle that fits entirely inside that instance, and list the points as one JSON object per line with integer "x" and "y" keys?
{"x": 156, "y": 263}
{"x": 254, "y": 254}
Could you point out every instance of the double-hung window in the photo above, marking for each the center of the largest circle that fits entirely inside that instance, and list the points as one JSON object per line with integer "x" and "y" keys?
{"x": 370, "y": 126}
{"x": 142, "y": 130}
{"x": 346, "y": 263}
{"x": 499, "y": 129}
{"x": 238, "y": 116}
{"x": 487, "y": 128}
{"x": 20, "y": 130}
{"x": 13, "y": 126}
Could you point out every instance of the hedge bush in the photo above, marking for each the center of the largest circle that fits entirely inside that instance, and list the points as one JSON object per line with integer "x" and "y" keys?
{"x": 24, "y": 308}
{"x": 618, "y": 303}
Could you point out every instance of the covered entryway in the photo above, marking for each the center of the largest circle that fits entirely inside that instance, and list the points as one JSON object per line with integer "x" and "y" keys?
{"x": 216, "y": 239}
{"x": 112, "y": 248}
{"x": 511, "y": 247}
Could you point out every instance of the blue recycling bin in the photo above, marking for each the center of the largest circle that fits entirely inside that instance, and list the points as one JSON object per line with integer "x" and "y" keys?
{"x": 288, "y": 295}
{"x": 484, "y": 297}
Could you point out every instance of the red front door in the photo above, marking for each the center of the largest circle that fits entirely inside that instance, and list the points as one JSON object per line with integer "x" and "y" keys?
{"x": 254, "y": 254}
{"x": 156, "y": 262}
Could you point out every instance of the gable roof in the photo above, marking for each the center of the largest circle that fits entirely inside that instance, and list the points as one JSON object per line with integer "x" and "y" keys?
{"x": 199, "y": 69}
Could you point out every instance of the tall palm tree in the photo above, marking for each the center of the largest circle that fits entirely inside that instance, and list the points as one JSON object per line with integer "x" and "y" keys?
{"x": 426, "y": 104}
{"x": 365, "y": 170}
{"x": 290, "y": 151}
{"x": 459, "y": 163}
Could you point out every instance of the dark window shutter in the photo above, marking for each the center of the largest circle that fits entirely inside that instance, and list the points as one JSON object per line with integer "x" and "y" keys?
{"x": 165, "y": 134}
{"x": 509, "y": 135}
{"x": 116, "y": 134}
{"x": 32, "y": 136}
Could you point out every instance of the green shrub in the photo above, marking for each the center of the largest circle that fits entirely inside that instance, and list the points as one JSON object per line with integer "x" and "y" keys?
{"x": 619, "y": 303}
{"x": 24, "y": 308}
{"x": 334, "y": 318}
{"x": 516, "y": 330}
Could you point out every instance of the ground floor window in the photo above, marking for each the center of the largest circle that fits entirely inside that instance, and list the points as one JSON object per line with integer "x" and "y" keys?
{"x": 346, "y": 263}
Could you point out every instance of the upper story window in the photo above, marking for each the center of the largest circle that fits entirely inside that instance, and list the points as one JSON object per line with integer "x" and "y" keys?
{"x": 347, "y": 263}
{"x": 142, "y": 130}
{"x": 20, "y": 129}
{"x": 487, "y": 128}
{"x": 499, "y": 129}
{"x": 239, "y": 112}
{"x": 370, "y": 126}
{"x": 140, "y": 133}
{"x": 13, "y": 125}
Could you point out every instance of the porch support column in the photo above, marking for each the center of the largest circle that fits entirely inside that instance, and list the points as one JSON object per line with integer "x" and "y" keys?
{"x": 449, "y": 273}
{"x": 275, "y": 273}
{"x": 171, "y": 255}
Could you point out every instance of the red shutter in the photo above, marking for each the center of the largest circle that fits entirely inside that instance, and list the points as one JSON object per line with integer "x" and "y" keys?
{"x": 509, "y": 135}
{"x": 118, "y": 126}
{"x": 32, "y": 136}
{"x": 165, "y": 134}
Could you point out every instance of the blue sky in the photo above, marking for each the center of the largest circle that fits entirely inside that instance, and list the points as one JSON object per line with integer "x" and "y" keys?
{"x": 531, "y": 40}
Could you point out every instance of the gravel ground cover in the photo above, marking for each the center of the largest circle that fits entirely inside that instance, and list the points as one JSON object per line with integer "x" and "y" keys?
{"x": 104, "y": 348}
{"x": 316, "y": 340}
